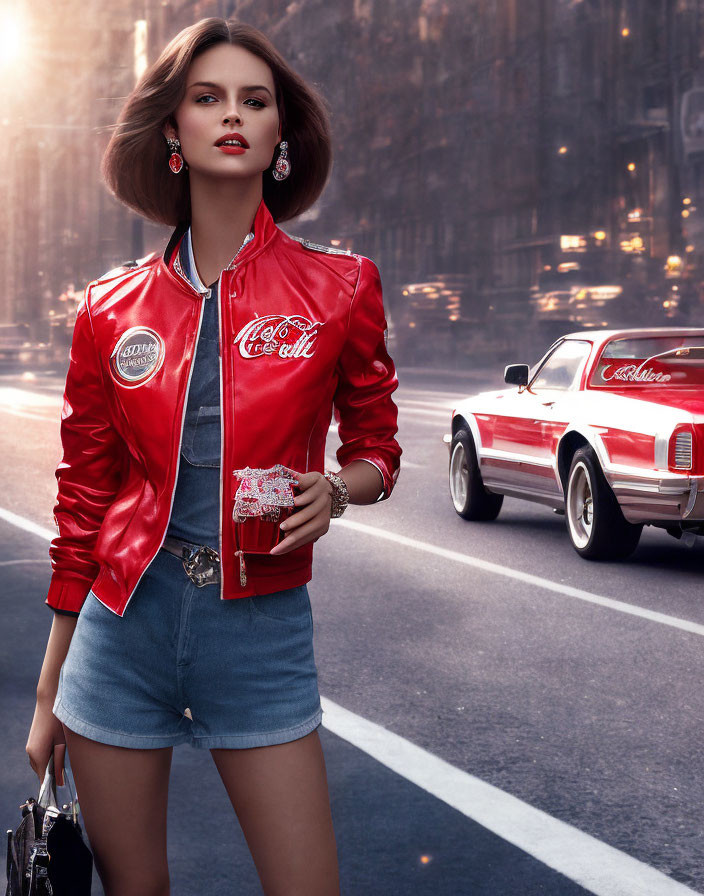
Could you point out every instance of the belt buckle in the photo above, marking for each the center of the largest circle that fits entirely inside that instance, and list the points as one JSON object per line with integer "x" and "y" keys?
{"x": 201, "y": 565}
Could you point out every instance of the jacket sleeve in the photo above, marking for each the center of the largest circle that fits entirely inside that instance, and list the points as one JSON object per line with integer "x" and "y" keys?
{"x": 89, "y": 473}
{"x": 363, "y": 407}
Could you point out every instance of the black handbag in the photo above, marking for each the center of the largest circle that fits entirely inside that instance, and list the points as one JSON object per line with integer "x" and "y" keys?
{"x": 47, "y": 856}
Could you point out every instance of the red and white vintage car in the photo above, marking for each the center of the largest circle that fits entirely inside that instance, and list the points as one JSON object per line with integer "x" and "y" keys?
{"x": 608, "y": 428}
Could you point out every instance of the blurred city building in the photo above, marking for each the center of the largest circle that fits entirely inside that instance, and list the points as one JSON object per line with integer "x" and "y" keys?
{"x": 517, "y": 168}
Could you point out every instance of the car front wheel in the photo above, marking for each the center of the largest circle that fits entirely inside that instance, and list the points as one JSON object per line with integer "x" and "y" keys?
{"x": 469, "y": 497}
{"x": 597, "y": 528}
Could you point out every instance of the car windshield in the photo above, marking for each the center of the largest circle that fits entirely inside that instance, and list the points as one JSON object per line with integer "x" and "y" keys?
{"x": 651, "y": 361}
{"x": 562, "y": 367}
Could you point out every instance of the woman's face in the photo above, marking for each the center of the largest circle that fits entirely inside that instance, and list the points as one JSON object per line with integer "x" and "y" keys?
{"x": 238, "y": 97}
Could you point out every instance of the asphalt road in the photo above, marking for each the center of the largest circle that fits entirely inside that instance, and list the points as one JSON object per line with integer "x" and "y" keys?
{"x": 486, "y": 645}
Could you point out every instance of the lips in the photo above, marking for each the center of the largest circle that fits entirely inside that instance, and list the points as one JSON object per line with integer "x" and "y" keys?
{"x": 225, "y": 137}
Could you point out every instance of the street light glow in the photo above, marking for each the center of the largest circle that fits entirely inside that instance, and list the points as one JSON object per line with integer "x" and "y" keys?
{"x": 140, "y": 48}
{"x": 11, "y": 38}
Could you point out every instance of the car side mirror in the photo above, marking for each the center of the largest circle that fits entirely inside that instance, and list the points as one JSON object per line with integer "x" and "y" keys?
{"x": 516, "y": 374}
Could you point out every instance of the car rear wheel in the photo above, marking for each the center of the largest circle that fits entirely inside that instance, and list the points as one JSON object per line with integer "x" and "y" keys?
{"x": 597, "y": 528}
{"x": 469, "y": 497}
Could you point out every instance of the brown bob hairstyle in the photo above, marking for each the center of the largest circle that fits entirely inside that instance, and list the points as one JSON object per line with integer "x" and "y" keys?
{"x": 135, "y": 162}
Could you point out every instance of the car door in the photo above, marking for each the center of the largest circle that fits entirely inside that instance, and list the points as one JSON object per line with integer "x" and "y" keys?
{"x": 530, "y": 422}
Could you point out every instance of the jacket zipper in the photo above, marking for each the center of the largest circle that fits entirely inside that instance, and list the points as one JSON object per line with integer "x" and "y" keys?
{"x": 232, "y": 266}
{"x": 221, "y": 344}
{"x": 201, "y": 294}
{"x": 180, "y": 441}
{"x": 238, "y": 553}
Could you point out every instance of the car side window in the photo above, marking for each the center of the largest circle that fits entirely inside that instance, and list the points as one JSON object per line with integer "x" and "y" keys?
{"x": 562, "y": 369}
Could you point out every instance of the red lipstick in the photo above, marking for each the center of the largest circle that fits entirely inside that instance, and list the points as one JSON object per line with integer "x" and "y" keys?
{"x": 232, "y": 149}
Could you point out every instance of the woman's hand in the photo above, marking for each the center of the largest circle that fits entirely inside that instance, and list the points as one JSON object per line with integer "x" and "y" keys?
{"x": 313, "y": 519}
{"x": 46, "y": 735}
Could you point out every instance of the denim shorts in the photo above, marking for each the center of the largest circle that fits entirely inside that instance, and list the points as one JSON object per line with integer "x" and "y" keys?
{"x": 182, "y": 665}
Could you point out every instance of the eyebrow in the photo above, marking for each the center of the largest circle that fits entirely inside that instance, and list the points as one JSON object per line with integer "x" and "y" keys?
{"x": 218, "y": 86}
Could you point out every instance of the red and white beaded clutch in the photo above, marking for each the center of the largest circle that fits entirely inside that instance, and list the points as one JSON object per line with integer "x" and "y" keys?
{"x": 263, "y": 500}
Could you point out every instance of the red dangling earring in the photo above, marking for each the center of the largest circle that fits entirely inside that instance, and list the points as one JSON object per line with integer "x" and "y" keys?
{"x": 176, "y": 162}
{"x": 282, "y": 168}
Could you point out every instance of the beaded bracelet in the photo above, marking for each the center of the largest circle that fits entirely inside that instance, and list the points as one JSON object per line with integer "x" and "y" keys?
{"x": 340, "y": 495}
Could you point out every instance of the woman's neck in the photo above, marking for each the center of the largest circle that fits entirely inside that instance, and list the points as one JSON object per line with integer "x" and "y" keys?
{"x": 222, "y": 214}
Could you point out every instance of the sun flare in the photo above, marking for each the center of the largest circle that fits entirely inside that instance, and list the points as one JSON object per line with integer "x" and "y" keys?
{"x": 11, "y": 38}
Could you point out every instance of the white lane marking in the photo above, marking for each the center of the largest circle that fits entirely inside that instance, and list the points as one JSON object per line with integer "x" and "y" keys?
{"x": 526, "y": 577}
{"x": 427, "y": 403}
{"x": 579, "y": 856}
{"x": 425, "y": 412}
{"x": 419, "y": 415}
{"x": 12, "y": 397}
{"x": 415, "y": 417}
{"x": 594, "y": 865}
{"x": 14, "y": 562}
{"x": 26, "y": 525}
{"x": 451, "y": 398}
{"x": 29, "y": 416}
{"x": 407, "y": 390}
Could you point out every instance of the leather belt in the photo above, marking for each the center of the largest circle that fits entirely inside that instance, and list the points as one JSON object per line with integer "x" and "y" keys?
{"x": 201, "y": 562}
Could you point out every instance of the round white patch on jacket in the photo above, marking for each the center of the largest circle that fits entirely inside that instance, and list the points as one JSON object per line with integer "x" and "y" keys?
{"x": 138, "y": 355}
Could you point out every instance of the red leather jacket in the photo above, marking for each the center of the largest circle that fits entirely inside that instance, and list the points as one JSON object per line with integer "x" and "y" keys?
{"x": 302, "y": 335}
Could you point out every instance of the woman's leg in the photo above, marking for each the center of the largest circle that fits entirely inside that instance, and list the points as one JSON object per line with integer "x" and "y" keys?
{"x": 280, "y": 795}
{"x": 123, "y": 795}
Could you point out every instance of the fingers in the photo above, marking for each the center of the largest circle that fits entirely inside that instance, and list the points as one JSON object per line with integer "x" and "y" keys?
{"x": 309, "y": 481}
{"x": 305, "y": 525}
{"x": 312, "y": 501}
{"x": 312, "y": 519}
{"x": 314, "y": 506}
{"x": 310, "y": 504}
{"x": 304, "y": 533}
{"x": 317, "y": 486}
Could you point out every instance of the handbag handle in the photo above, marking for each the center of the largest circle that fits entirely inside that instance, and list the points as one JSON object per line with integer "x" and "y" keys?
{"x": 47, "y": 793}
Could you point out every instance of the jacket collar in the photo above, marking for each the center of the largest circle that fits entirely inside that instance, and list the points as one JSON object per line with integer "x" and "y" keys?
{"x": 265, "y": 231}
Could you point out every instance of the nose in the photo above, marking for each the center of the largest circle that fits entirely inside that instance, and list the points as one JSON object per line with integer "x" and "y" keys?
{"x": 234, "y": 117}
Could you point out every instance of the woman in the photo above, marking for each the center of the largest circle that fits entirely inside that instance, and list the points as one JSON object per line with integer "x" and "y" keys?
{"x": 194, "y": 378}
